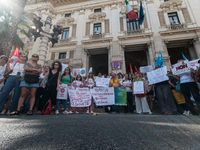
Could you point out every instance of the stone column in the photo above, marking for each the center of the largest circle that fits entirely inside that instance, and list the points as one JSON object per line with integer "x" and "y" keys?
{"x": 151, "y": 55}
{"x": 44, "y": 41}
{"x": 192, "y": 52}
{"x": 196, "y": 43}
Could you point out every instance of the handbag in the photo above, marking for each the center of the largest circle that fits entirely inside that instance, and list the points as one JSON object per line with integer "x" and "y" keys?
{"x": 7, "y": 75}
{"x": 31, "y": 78}
{"x": 178, "y": 87}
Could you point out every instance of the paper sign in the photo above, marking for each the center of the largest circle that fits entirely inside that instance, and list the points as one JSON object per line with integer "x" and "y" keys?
{"x": 180, "y": 67}
{"x": 15, "y": 58}
{"x": 194, "y": 64}
{"x": 80, "y": 71}
{"x": 62, "y": 93}
{"x": 79, "y": 97}
{"x": 64, "y": 66}
{"x": 116, "y": 65}
{"x": 103, "y": 96}
{"x": 138, "y": 87}
{"x": 102, "y": 82}
{"x": 157, "y": 76}
{"x": 120, "y": 96}
{"x": 146, "y": 69}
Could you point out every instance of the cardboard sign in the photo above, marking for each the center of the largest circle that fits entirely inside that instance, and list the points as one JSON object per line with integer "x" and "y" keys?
{"x": 80, "y": 71}
{"x": 103, "y": 96}
{"x": 138, "y": 87}
{"x": 116, "y": 65}
{"x": 64, "y": 66}
{"x": 157, "y": 76}
{"x": 102, "y": 82}
{"x": 62, "y": 93}
{"x": 79, "y": 97}
{"x": 146, "y": 69}
{"x": 120, "y": 96}
{"x": 180, "y": 67}
{"x": 194, "y": 64}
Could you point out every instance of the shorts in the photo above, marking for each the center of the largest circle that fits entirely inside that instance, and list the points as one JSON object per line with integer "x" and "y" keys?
{"x": 29, "y": 85}
{"x": 150, "y": 92}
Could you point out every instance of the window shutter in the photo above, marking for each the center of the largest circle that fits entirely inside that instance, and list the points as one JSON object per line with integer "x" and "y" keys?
{"x": 161, "y": 18}
{"x": 186, "y": 15}
{"x": 87, "y": 31}
{"x": 52, "y": 55}
{"x": 145, "y": 22}
{"x": 74, "y": 30}
{"x": 121, "y": 24}
{"x": 107, "y": 26}
{"x": 71, "y": 55}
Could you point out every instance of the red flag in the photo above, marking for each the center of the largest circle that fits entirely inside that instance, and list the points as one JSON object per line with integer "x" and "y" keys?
{"x": 131, "y": 69}
{"x": 136, "y": 69}
{"x": 15, "y": 54}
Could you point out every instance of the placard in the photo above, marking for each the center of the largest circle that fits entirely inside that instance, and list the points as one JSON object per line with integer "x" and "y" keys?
{"x": 79, "y": 97}
{"x": 180, "y": 67}
{"x": 194, "y": 64}
{"x": 116, "y": 65}
{"x": 64, "y": 66}
{"x": 120, "y": 96}
{"x": 146, "y": 69}
{"x": 102, "y": 82}
{"x": 103, "y": 96}
{"x": 62, "y": 93}
{"x": 80, "y": 71}
{"x": 139, "y": 87}
{"x": 157, "y": 76}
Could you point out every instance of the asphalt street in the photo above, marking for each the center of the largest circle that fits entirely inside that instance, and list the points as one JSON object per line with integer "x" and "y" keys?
{"x": 104, "y": 131}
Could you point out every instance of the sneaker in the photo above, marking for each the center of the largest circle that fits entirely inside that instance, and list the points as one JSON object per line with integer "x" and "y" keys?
{"x": 92, "y": 112}
{"x": 87, "y": 112}
{"x": 3, "y": 112}
{"x": 65, "y": 112}
{"x": 140, "y": 113}
{"x": 70, "y": 112}
{"x": 185, "y": 112}
{"x": 77, "y": 112}
{"x": 57, "y": 112}
{"x": 188, "y": 113}
{"x": 150, "y": 113}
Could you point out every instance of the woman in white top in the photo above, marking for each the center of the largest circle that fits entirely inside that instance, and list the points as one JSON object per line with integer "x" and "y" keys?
{"x": 13, "y": 82}
{"x": 90, "y": 83}
{"x": 3, "y": 61}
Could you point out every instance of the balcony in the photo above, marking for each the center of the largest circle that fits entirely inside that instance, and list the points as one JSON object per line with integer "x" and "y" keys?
{"x": 139, "y": 31}
{"x": 96, "y": 36}
{"x": 176, "y": 27}
{"x": 64, "y": 40}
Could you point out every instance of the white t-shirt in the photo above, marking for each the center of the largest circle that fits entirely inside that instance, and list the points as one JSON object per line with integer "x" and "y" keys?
{"x": 17, "y": 68}
{"x": 77, "y": 83}
{"x": 41, "y": 77}
{"x": 2, "y": 71}
{"x": 186, "y": 77}
{"x": 90, "y": 82}
{"x": 128, "y": 89}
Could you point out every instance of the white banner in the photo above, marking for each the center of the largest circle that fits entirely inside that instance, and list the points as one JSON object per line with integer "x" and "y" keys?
{"x": 146, "y": 69}
{"x": 138, "y": 87}
{"x": 62, "y": 93}
{"x": 180, "y": 67}
{"x": 194, "y": 64}
{"x": 158, "y": 75}
{"x": 102, "y": 82}
{"x": 80, "y": 71}
{"x": 103, "y": 96}
{"x": 79, "y": 97}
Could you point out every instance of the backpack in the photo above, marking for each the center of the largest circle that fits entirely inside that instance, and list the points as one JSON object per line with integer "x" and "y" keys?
{"x": 47, "y": 108}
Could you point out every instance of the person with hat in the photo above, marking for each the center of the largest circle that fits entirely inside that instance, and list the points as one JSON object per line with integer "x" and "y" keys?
{"x": 3, "y": 61}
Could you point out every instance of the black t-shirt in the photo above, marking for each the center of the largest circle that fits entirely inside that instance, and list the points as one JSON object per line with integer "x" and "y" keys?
{"x": 173, "y": 81}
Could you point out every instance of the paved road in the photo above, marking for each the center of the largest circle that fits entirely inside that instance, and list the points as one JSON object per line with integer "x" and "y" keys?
{"x": 104, "y": 131}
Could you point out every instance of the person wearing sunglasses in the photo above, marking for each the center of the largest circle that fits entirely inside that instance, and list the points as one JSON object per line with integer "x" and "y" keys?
{"x": 16, "y": 72}
{"x": 29, "y": 81}
{"x": 3, "y": 61}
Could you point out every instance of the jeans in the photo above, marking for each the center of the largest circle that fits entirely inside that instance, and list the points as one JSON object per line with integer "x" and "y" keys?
{"x": 58, "y": 103}
{"x": 12, "y": 82}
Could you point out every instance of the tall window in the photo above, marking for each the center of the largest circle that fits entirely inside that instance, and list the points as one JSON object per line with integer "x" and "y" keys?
{"x": 67, "y": 15}
{"x": 132, "y": 24}
{"x": 65, "y": 33}
{"x": 97, "y": 10}
{"x": 97, "y": 28}
{"x": 173, "y": 18}
{"x": 166, "y": 0}
{"x": 62, "y": 55}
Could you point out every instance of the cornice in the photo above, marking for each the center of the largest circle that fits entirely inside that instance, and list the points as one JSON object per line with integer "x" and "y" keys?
{"x": 66, "y": 21}
{"x": 143, "y": 35}
{"x": 99, "y": 16}
{"x": 186, "y": 30}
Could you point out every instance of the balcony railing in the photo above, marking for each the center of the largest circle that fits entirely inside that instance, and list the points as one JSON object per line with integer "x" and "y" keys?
{"x": 176, "y": 26}
{"x": 139, "y": 31}
{"x": 97, "y": 36}
{"x": 64, "y": 40}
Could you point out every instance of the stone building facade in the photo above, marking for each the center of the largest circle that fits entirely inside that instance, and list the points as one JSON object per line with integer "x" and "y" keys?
{"x": 97, "y": 33}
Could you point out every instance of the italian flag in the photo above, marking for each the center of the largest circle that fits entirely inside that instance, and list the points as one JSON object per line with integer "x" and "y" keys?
{"x": 131, "y": 14}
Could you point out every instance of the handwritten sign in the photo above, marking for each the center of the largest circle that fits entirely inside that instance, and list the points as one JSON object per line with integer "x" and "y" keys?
{"x": 102, "y": 82}
{"x": 194, "y": 64}
{"x": 180, "y": 67}
{"x": 146, "y": 69}
{"x": 79, "y": 97}
{"x": 64, "y": 66}
{"x": 103, "y": 96}
{"x": 120, "y": 96}
{"x": 138, "y": 87}
{"x": 116, "y": 65}
{"x": 157, "y": 76}
{"x": 62, "y": 93}
{"x": 80, "y": 71}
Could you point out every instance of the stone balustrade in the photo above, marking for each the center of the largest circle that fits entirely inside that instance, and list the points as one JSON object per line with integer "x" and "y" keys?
{"x": 176, "y": 27}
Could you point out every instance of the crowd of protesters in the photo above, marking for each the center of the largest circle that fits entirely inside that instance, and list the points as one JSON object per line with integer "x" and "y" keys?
{"x": 28, "y": 81}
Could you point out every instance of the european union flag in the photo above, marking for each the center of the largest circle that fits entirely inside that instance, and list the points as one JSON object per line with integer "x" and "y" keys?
{"x": 159, "y": 61}
{"x": 141, "y": 16}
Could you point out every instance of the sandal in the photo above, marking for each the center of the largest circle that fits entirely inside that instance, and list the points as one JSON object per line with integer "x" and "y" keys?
{"x": 30, "y": 112}
{"x": 14, "y": 113}
{"x": 8, "y": 113}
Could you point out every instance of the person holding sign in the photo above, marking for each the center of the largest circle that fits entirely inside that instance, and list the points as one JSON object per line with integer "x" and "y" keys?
{"x": 3, "y": 61}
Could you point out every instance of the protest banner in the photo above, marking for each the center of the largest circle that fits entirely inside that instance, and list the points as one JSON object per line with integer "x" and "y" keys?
{"x": 102, "y": 82}
{"x": 145, "y": 69}
{"x": 116, "y": 65}
{"x": 120, "y": 96}
{"x": 139, "y": 87}
{"x": 157, "y": 76}
{"x": 80, "y": 71}
{"x": 79, "y": 97}
{"x": 62, "y": 93}
{"x": 103, "y": 96}
{"x": 194, "y": 64}
{"x": 180, "y": 67}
